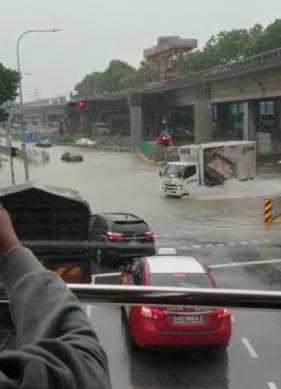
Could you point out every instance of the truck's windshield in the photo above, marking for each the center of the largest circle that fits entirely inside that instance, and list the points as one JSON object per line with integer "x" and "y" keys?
{"x": 175, "y": 170}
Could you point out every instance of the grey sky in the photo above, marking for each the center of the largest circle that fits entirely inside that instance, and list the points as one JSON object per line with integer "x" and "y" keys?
{"x": 96, "y": 31}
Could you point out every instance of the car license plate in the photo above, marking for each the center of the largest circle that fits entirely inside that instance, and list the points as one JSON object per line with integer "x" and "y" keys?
{"x": 133, "y": 243}
{"x": 179, "y": 319}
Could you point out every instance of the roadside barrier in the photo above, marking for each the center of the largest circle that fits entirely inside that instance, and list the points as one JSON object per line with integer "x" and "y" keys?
{"x": 271, "y": 209}
{"x": 267, "y": 211}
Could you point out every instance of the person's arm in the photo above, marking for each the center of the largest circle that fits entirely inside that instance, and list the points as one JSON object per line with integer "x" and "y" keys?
{"x": 57, "y": 345}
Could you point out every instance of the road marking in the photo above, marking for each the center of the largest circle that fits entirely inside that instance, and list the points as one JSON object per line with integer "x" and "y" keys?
{"x": 209, "y": 245}
{"x": 246, "y": 263}
{"x": 256, "y": 241}
{"x": 244, "y": 243}
{"x": 232, "y": 244}
{"x": 272, "y": 385}
{"x": 89, "y": 310}
{"x": 221, "y": 244}
{"x": 196, "y": 246}
{"x": 184, "y": 248}
{"x": 267, "y": 240}
{"x": 249, "y": 347}
{"x": 177, "y": 234}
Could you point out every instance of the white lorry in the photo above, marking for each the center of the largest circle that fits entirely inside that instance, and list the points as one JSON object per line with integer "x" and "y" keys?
{"x": 208, "y": 164}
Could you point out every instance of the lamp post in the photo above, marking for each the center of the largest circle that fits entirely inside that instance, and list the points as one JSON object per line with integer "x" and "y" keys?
{"x": 20, "y": 92}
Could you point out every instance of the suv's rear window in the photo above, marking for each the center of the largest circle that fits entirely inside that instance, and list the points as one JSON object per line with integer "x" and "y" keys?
{"x": 185, "y": 280}
{"x": 136, "y": 226}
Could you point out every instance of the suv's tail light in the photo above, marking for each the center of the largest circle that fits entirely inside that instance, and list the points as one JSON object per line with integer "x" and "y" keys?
{"x": 149, "y": 235}
{"x": 114, "y": 236}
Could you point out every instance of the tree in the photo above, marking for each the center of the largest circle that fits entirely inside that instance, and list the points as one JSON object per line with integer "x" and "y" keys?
{"x": 9, "y": 81}
{"x": 270, "y": 39}
{"x": 115, "y": 73}
{"x": 118, "y": 75}
{"x": 90, "y": 85}
{"x": 230, "y": 46}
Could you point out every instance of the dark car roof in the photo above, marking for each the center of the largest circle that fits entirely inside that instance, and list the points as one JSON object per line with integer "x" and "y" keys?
{"x": 119, "y": 216}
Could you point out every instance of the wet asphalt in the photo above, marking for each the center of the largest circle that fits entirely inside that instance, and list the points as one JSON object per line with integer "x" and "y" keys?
{"x": 222, "y": 225}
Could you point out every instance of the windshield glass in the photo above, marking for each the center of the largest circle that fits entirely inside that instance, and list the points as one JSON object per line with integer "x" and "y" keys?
{"x": 96, "y": 100}
{"x": 175, "y": 170}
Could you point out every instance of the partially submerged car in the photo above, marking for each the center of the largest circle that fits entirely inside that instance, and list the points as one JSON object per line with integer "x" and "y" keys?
{"x": 72, "y": 157}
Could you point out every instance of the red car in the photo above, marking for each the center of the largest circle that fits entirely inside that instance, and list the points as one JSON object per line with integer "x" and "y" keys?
{"x": 174, "y": 326}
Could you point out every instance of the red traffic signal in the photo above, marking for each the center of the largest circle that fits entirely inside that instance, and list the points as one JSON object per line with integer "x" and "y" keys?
{"x": 164, "y": 140}
{"x": 80, "y": 104}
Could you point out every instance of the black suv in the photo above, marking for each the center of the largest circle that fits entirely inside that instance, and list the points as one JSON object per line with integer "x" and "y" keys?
{"x": 121, "y": 236}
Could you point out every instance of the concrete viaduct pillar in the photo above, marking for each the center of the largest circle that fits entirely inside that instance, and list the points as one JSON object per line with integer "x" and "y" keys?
{"x": 202, "y": 119}
{"x": 250, "y": 120}
{"x": 277, "y": 120}
{"x": 136, "y": 117}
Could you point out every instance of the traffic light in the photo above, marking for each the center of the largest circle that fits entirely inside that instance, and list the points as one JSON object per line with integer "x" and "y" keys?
{"x": 79, "y": 104}
{"x": 165, "y": 140}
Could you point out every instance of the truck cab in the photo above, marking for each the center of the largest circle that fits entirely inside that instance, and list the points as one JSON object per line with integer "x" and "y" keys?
{"x": 178, "y": 178}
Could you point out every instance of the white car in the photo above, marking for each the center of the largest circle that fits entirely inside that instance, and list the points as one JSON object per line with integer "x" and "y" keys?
{"x": 85, "y": 142}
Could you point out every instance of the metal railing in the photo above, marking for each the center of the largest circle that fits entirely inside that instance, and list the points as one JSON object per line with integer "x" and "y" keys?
{"x": 167, "y": 296}
{"x": 263, "y": 58}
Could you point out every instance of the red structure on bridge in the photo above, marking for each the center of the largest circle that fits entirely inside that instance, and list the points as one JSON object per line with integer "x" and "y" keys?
{"x": 167, "y": 55}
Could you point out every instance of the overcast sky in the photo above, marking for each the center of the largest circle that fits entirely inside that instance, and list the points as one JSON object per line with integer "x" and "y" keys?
{"x": 96, "y": 31}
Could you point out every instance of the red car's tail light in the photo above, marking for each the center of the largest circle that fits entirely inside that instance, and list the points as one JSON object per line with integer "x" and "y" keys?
{"x": 114, "y": 236}
{"x": 149, "y": 235}
{"x": 225, "y": 312}
{"x": 222, "y": 312}
{"x": 151, "y": 313}
{"x": 147, "y": 312}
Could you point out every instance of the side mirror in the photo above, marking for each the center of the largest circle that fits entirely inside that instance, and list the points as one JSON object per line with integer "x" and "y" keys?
{"x": 160, "y": 174}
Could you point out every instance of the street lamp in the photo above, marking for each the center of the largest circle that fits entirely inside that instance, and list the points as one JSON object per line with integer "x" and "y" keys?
{"x": 20, "y": 92}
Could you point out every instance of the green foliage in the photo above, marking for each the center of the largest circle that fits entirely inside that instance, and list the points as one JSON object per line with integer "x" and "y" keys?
{"x": 230, "y": 46}
{"x": 9, "y": 80}
{"x": 118, "y": 75}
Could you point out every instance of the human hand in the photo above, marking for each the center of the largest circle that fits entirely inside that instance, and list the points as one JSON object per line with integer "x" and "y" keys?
{"x": 8, "y": 237}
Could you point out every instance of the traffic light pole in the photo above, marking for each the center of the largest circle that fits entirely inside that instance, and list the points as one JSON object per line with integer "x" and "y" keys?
{"x": 9, "y": 144}
{"x": 25, "y": 160}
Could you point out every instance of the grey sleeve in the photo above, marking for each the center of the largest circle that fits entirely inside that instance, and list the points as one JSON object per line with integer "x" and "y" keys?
{"x": 58, "y": 347}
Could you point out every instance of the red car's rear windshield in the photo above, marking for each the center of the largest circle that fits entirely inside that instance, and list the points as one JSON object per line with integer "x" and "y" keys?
{"x": 186, "y": 280}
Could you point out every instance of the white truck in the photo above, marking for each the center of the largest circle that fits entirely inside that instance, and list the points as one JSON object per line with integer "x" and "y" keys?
{"x": 208, "y": 164}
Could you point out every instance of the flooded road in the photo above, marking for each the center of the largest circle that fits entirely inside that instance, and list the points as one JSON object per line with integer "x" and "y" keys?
{"x": 115, "y": 181}
{"x": 218, "y": 225}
